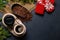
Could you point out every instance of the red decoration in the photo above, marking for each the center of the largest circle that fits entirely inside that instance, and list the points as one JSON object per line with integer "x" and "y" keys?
{"x": 52, "y": 1}
{"x": 42, "y": 5}
{"x": 39, "y": 9}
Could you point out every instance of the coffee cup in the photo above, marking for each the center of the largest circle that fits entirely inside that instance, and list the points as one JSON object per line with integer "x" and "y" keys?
{"x": 14, "y": 25}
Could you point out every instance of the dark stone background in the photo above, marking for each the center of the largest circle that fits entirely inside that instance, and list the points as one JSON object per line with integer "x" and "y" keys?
{"x": 45, "y": 27}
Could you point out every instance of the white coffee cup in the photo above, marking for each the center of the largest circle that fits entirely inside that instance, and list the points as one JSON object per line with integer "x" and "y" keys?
{"x": 17, "y": 23}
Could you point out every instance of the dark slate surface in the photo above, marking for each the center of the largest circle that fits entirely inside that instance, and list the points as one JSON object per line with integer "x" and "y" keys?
{"x": 45, "y": 27}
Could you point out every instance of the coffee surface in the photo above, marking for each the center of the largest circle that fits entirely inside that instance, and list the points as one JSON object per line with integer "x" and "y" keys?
{"x": 9, "y": 20}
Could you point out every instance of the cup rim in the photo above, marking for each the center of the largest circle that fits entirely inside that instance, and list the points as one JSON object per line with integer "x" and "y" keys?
{"x": 5, "y": 16}
{"x": 22, "y": 32}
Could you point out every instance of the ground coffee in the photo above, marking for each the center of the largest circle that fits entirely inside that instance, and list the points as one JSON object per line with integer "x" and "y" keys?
{"x": 22, "y": 13}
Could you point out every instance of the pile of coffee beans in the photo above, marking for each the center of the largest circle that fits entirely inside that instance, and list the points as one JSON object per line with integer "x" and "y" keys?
{"x": 22, "y": 13}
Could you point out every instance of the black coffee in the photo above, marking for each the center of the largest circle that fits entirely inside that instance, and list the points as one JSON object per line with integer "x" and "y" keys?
{"x": 9, "y": 20}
